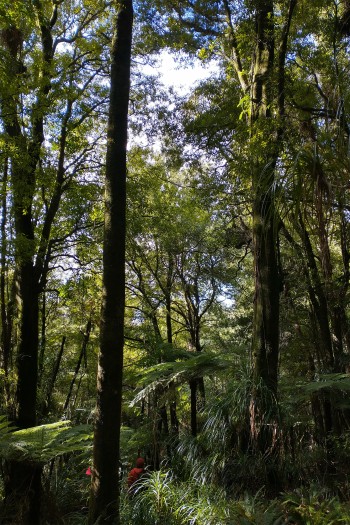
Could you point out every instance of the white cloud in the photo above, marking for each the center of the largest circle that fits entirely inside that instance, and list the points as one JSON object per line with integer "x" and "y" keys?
{"x": 177, "y": 74}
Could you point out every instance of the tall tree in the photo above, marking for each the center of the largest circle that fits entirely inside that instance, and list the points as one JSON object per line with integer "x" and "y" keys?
{"x": 258, "y": 65}
{"x": 36, "y": 111}
{"x": 105, "y": 477}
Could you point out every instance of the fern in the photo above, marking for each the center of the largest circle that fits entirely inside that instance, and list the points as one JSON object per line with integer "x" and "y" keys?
{"x": 202, "y": 364}
{"x": 337, "y": 384}
{"x": 6, "y": 427}
{"x": 44, "y": 442}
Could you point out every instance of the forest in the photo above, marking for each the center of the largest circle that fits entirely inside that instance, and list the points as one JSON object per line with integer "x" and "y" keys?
{"x": 175, "y": 262}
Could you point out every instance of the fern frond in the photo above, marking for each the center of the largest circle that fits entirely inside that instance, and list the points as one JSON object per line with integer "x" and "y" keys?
{"x": 199, "y": 365}
{"x": 44, "y": 442}
{"x": 6, "y": 427}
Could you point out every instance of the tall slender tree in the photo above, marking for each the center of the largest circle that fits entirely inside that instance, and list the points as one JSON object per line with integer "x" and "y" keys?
{"x": 105, "y": 477}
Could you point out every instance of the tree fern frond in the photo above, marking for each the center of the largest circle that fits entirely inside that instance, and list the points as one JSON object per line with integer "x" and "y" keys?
{"x": 337, "y": 383}
{"x": 6, "y": 427}
{"x": 44, "y": 442}
{"x": 200, "y": 365}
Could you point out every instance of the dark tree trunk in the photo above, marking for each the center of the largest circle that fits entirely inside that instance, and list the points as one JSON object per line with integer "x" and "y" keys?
{"x": 265, "y": 340}
{"x": 23, "y": 183}
{"x": 319, "y": 302}
{"x": 82, "y": 355}
{"x": 27, "y": 360}
{"x": 265, "y": 336}
{"x": 194, "y": 317}
{"x": 167, "y": 293}
{"x": 51, "y": 382}
{"x": 174, "y": 422}
{"x": 266, "y": 304}
{"x": 42, "y": 339}
{"x": 193, "y": 399}
{"x": 23, "y": 180}
{"x": 105, "y": 478}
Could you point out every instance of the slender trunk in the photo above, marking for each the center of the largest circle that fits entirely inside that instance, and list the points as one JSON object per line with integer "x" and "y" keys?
{"x": 51, "y": 383}
{"x": 196, "y": 384}
{"x": 82, "y": 355}
{"x": 193, "y": 398}
{"x": 169, "y": 283}
{"x": 105, "y": 477}
{"x": 5, "y": 300}
{"x": 43, "y": 339}
{"x": 174, "y": 422}
{"x": 343, "y": 327}
{"x": 319, "y": 301}
{"x": 27, "y": 359}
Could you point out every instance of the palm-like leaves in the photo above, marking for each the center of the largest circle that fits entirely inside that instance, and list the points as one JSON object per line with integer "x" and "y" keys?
{"x": 44, "y": 442}
{"x": 196, "y": 365}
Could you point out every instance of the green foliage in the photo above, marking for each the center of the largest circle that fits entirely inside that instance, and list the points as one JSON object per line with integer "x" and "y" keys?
{"x": 43, "y": 443}
{"x": 66, "y": 490}
{"x": 194, "y": 366}
{"x": 336, "y": 382}
{"x": 189, "y": 250}
{"x": 161, "y": 498}
{"x": 315, "y": 508}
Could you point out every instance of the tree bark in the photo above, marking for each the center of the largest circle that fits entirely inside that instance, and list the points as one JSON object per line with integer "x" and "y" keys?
{"x": 28, "y": 273}
{"x": 265, "y": 334}
{"x": 5, "y": 300}
{"x": 105, "y": 479}
{"x": 266, "y": 303}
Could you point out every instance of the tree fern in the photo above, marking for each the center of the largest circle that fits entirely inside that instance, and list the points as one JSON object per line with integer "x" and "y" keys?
{"x": 197, "y": 365}
{"x": 337, "y": 384}
{"x": 42, "y": 443}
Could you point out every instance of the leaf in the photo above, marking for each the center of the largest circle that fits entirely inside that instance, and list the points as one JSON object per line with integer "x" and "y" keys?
{"x": 44, "y": 442}
{"x": 199, "y": 365}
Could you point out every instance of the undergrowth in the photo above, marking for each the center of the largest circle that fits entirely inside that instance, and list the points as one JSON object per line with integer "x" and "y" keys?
{"x": 161, "y": 499}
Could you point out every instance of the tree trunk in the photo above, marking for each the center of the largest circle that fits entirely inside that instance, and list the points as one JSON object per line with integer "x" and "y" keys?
{"x": 51, "y": 382}
{"x": 82, "y": 356}
{"x": 23, "y": 182}
{"x": 105, "y": 475}
{"x": 266, "y": 303}
{"x": 193, "y": 405}
{"x": 265, "y": 336}
{"x": 5, "y": 296}
{"x": 42, "y": 339}
{"x": 24, "y": 163}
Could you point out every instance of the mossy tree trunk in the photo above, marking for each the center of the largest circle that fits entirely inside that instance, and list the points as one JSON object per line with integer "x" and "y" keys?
{"x": 23, "y": 497}
{"x": 268, "y": 81}
{"x": 25, "y": 153}
{"x": 265, "y": 337}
